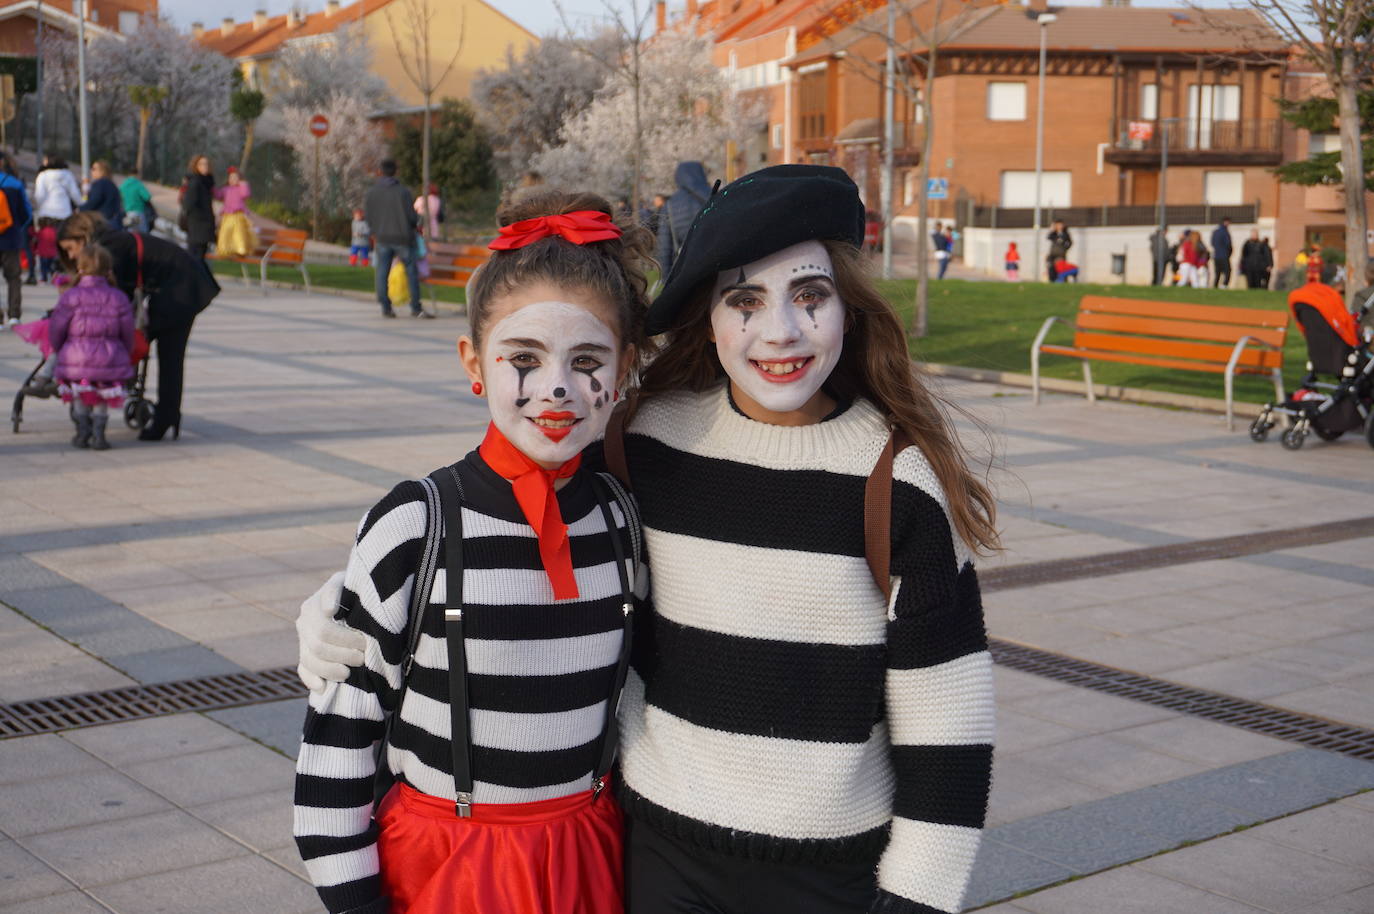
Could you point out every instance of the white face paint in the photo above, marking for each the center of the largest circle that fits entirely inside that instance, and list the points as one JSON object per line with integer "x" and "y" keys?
{"x": 779, "y": 325}
{"x": 549, "y": 370}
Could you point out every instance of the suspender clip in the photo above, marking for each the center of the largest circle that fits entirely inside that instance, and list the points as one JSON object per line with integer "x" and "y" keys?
{"x": 463, "y": 808}
{"x": 598, "y": 785}
{"x": 627, "y": 608}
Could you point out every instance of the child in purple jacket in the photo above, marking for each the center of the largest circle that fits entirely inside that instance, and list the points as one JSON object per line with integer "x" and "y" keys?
{"x": 92, "y": 332}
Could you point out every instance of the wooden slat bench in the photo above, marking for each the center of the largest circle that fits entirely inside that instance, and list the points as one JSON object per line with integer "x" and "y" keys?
{"x": 285, "y": 247}
{"x": 453, "y": 265}
{"x": 1217, "y": 339}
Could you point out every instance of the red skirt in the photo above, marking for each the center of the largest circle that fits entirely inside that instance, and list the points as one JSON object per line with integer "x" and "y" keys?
{"x": 562, "y": 856}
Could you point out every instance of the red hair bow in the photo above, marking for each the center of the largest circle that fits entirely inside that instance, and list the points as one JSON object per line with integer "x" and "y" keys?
{"x": 580, "y": 227}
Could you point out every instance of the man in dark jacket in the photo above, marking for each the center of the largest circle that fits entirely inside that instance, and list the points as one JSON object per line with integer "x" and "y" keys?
{"x": 1256, "y": 260}
{"x": 1221, "y": 254}
{"x": 391, "y": 216}
{"x": 14, "y": 239}
{"x": 103, "y": 196}
{"x": 679, "y": 211}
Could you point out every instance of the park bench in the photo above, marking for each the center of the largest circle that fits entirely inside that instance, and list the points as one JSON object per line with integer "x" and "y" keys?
{"x": 453, "y": 265}
{"x": 275, "y": 246}
{"x": 1217, "y": 339}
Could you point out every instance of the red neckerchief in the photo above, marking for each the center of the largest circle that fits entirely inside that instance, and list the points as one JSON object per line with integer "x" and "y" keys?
{"x": 534, "y": 492}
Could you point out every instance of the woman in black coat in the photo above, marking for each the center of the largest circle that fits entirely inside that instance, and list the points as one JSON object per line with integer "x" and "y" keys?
{"x": 178, "y": 285}
{"x": 198, "y": 205}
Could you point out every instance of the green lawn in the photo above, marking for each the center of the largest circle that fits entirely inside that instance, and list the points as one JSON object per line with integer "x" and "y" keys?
{"x": 991, "y": 325}
{"x": 356, "y": 279}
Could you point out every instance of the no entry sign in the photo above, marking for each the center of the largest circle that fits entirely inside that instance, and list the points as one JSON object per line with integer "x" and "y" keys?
{"x": 319, "y": 125}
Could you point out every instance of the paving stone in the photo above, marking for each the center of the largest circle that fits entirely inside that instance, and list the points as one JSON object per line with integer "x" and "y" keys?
{"x": 1021, "y": 789}
{"x": 45, "y": 755}
{"x": 289, "y": 858}
{"x": 1360, "y": 901}
{"x": 157, "y": 737}
{"x": 1206, "y": 742}
{"x": 277, "y": 724}
{"x": 1129, "y": 890}
{"x": 262, "y": 651}
{"x": 19, "y": 573}
{"x": 1172, "y": 813}
{"x": 1002, "y": 871}
{"x": 1340, "y": 773}
{"x": 37, "y": 806}
{"x": 1017, "y": 731}
{"x": 65, "y": 903}
{"x": 240, "y": 884}
{"x": 115, "y": 851}
{"x": 1337, "y": 831}
{"x": 172, "y": 664}
{"x": 262, "y": 821}
{"x": 1081, "y": 839}
{"x": 1260, "y": 873}
{"x": 1260, "y": 789}
{"x": 24, "y": 877}
{"x": 1093, "y": 711}
{"x": 1109, "y": 763}
{"x": 218, "y": 774}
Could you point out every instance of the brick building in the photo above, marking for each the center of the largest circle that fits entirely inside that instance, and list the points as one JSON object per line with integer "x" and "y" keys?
{"x": 19, "y": 20}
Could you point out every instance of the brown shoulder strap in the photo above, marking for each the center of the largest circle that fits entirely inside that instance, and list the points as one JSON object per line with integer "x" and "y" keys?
{"x": 614, "y": 446}
{"x": 878, "y": 514}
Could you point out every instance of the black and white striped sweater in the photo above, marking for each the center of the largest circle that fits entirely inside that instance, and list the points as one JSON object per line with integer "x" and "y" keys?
{"x": 778, "y": 709}
{"x": 539, "y": 672}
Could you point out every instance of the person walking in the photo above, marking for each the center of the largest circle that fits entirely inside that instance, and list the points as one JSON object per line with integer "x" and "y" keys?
{"x": 1268, "y": 263}
{"x": 55, "y": 192}
{"x": 138, "y": 204}
{"x": 14, "y": 238}
{"x": 1060, "y": 242}
{"x": 178, "y": 286}
{"x": 236, "y": 236}
{"x": 1012, "y": 261}
{"x": 1221, "y": 254}
{"x": 678, "y": 212}
{"x": 941, "y": 241}
{"x": 92, "y": 332}
{"x": 1255, "y": 261}
{"x": 198, "y": 206}
{"x": 103, "y": 195}
{"x": 392, "y": 218}
{"x": 436, "y": 212}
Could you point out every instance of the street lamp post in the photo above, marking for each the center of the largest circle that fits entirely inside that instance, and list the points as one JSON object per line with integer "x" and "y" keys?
{"x": 1044, "y": 19}
{"x": 80, "y": 7}
{"x": 1164, "y": 125}
{"x": 38, "y": 81}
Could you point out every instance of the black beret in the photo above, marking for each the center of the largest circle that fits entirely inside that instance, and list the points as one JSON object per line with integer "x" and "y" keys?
{"x": 760, "y": 214}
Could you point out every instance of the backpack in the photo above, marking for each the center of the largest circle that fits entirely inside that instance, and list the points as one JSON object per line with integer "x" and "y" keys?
{"x": 6, "y": 213}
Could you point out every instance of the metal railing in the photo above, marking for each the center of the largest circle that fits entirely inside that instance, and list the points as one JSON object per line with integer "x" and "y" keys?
{"x": 1195, "y": 214}
{"x": 1197, "y": 135}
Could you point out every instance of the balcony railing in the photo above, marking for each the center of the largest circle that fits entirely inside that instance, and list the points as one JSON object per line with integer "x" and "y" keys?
{"x": 1198, "y": 214}
{"x": 1190, "y": 138}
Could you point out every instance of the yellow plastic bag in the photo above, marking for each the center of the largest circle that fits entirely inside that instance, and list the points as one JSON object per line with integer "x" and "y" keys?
{"x": 397, "y": 289}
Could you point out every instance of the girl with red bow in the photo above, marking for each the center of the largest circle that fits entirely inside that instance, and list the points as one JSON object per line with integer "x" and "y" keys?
{"x": 499, "y": 726}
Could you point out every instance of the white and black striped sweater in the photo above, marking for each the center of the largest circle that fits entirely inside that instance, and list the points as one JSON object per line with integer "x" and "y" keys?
{"x": 778, "y": 709}
{"x": 539, "y": 672}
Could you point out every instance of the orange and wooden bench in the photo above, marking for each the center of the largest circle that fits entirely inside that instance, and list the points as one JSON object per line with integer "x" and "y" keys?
{"x": 1211, "y": 338}
{"x": 453, "y": 264}
{"x": 281, "y": 246}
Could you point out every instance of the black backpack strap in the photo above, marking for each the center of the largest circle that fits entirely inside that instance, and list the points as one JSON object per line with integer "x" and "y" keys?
{"x": 630, "y": 509}
{"x": 419, "y": 600}
{"x": 610, "y": 732}
{"x": 460, "y": 738}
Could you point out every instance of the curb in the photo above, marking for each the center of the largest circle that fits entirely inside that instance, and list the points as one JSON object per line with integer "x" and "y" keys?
{"x": 1242, "y": 409}
{"x": 459, "y": 310}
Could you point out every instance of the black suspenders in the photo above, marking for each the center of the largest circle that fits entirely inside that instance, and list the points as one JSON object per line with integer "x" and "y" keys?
{"x": 451, "y": 499}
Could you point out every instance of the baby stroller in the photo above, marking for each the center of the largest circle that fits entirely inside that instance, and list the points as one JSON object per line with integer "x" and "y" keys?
{"x": 1337, "y": 394}
{"x": 138, "y": 411}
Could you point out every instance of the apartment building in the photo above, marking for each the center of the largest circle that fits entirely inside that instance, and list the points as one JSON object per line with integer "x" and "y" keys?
{"x": 19, "y": 20}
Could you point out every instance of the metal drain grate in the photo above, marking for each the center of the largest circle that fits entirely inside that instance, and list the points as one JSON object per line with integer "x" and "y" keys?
{"x": 1225, "y": 547}
{"x": 90, "y": 709}
{"x": 1248, "y": 715}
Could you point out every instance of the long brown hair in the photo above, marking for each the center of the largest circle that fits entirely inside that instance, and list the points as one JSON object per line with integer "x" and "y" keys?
{"x": 613, "y": 269}
{"x": 85, "y": 226}
{"x": 874, "y": 364}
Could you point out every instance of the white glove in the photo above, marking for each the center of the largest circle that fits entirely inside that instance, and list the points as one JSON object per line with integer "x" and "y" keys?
{"x": 327, "y": 647}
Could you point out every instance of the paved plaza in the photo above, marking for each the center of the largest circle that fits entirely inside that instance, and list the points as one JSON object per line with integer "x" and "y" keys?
{"x": 176, "y": 561}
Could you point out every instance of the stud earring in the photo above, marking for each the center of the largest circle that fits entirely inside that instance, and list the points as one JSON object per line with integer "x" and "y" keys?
{"x": 477, "y": 388}
{"x": 616, "y": 394}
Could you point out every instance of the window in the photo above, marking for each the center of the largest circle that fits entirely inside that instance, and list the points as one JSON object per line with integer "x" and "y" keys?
{"x": 777, "y": 136}
{"x": 1006, "y": 101}
{"x": 1149, "y": 102}
{"x": 911, "y": 183}
{"x": 1319, "y": 143}
{"x": 128, "y": 22}
{"x": 1219, "y": 103}
{"x": 811, "y": 104}
{"x": 1018, "y": 189}
{"x": 1223, "y": 188}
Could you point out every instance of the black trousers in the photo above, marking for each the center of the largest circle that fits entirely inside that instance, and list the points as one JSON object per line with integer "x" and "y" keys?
{"x": 14, "y": 279}
{"x": 667, "y": 876}
{"x": 1223, "y": 268}
{"x": 1256, "y": 279}
{"x": 171, "y": 372}
{"x": 198, "y": 250}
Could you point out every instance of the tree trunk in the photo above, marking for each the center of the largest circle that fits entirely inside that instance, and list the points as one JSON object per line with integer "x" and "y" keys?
{"x": 1352, "y": 168}
{"x": 639, "y": 140}
{"x": 920, "y": 314}
{"x": 247, "y": 147}
{"x": 143, "y": 114}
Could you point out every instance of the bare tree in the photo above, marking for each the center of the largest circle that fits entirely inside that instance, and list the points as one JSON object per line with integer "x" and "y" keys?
{"x": 145, "y": 99}
{"x": 623, "y": 57}
{"x": 922, "y": 28}
{"x": 1335, "y": 37}
{"x": 416, "y": 60}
